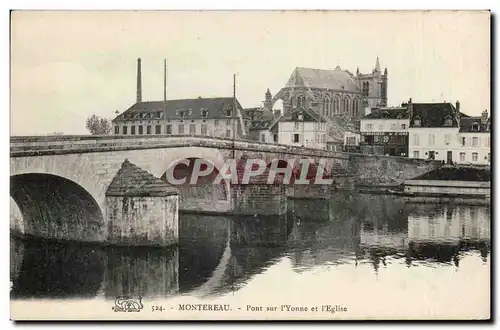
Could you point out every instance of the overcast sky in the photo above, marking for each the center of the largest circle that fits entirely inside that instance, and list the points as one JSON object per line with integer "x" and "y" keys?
{"x": 66, "y": 66}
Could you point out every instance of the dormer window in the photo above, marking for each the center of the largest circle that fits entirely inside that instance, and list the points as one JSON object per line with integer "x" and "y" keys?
{"x": 183, "y": 114}
{"x": 475, "y": 127}
{"x": 159, "y": 114}
{"x": 228, "y": 113}
{"x": 416, "y": 122}
{"x": 400, "y": 116}
{"x": 204, "y": 113}
{"x": 448, "y": 121}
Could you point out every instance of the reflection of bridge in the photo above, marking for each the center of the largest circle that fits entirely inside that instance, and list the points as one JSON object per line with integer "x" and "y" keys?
{"x": 214, "y": 255}
{"x": 62, "y": 184}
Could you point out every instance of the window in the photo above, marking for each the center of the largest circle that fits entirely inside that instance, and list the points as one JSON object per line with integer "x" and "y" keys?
{"x": 228, "y": 121}
{"x": 447, "y": 138}
{"x": 169, "y": 129}
{"x": 183, "y": 114}
{"x": 416, "y": 139}
{"x": 204, "y": 113}
{"x": 124, "y": 130}
{"x": 132, "y": 130}
{"x": 336, "y": 105}
{"x": 380, "y": 127}
{"x": 216, "y": 122}
{"x": 416, "y": 122}
{"x": 369, "y": 127}
{"x": 228, "y": 113}
{"x": 416, "y": 154}
{"x": 148, "y": 129}
{"x": 192, "y": 129}
{"x": 474, "y": 156}
{"x": 475, "y": 127}
{"x": 462, "y": 156}
{"x": 228, "y": 133}
{"x": 275, "y": 137}
{"x": 432, "y": 139}
{"x": 448, "y": 121}
{"x": 141, "y": 129}
{"x": 487, "y": 142}
{"x": 393, "y": 127}
{"x": 296, "y": 126}
{"x": 463, "y": 141}
{"x": 489, "y": 159}
{"x": 403, "y": 126}
{"x": 296, "y": 138}
{"x": 263, "y": 137}
{"x": 475, "y": 141}
{"x": 117, "y": 129}
{"x": 158, "y": 129}
{"x": 322, "y": 138}
{"x": 181, "y": 129}
{"x": 203, "y": 129}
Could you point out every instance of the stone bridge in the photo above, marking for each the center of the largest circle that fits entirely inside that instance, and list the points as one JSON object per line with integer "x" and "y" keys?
{"x": 108, "y": 188}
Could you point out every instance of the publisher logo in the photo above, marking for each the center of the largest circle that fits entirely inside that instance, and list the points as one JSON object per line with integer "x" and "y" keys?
{"x": 127, "y": 304}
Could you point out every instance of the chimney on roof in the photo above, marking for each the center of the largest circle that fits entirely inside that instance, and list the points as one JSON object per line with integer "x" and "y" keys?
{"x": 457, "y": 106}
{"x": 484, "y": 116}
{"x": 139, "y": 81}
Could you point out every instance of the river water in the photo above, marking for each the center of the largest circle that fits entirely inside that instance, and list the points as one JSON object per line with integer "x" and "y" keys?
{"x": 362, "y": 249}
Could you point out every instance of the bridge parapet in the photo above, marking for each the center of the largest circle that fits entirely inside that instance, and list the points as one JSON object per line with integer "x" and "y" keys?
{"x": 21, "y": 146}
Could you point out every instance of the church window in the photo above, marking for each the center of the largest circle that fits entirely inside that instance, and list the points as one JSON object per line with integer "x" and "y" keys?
{"x": 448, "y": 121}
{"x": 347, "y": 106}
{"x": 335, "y": 105}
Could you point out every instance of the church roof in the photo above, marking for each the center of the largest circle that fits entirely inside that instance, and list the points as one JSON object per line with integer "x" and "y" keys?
{"x": 336, "y": 79}
{"x": 197, "y": 108}
{"x": 133, "y": 181}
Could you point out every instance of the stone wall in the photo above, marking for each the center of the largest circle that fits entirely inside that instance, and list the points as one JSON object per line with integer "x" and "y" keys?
{"x": 386, "y": 170}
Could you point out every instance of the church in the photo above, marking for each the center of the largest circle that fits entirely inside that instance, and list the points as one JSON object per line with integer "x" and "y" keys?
{"x": 332, "y": 93}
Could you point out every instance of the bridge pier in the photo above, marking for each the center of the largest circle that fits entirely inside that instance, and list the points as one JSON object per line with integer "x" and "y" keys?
{"x": 141, "y": 209}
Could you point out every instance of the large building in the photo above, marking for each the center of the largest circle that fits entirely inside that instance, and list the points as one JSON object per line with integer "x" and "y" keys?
{"x": 332, "y": 93}
{"x": 199, "y": 116}
{"x": 474, "y": 140}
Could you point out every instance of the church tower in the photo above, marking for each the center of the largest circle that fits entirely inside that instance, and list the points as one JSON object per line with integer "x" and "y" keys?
{"x": 373, "y": 86}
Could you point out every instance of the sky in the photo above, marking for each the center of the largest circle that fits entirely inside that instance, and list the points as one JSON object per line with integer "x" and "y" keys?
{"x": 69, "y": 65}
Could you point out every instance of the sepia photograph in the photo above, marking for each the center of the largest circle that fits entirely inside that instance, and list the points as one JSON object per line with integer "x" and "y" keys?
{"x": 250, "y": 165}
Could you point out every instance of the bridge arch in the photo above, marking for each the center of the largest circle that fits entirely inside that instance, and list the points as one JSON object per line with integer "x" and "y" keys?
{"x": 56, "y": 207}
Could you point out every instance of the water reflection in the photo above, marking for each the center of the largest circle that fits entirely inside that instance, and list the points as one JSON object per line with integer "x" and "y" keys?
{"x": 217, "y": 255}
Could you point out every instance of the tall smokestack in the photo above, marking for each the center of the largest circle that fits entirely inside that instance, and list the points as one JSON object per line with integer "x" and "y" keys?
{"x": 139, "y": 81}
{"x": 165, "y": 79}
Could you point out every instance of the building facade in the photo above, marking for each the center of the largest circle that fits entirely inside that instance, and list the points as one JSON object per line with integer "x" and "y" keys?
{"x": 303, "y": 128}
{"x": 433, "y": 131}
{"x": 474, "y": 140}
{"x": 207, "y": 117}
{"x": 384, "y": 131}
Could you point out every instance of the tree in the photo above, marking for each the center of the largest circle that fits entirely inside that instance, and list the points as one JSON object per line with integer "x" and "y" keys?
{"x": 98, "y": 126}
